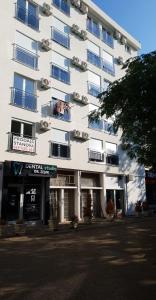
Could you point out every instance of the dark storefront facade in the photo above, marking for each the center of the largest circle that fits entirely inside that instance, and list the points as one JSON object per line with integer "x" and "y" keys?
{"x": 26, "y": 191}
{"x": 151, "y": 189}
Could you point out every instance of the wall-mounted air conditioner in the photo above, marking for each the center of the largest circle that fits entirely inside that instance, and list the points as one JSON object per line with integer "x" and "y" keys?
{"x": 75, "y": 3}
{"x": 76, "y": 96}
{"x": 75, "y": 61}
{"x": 76, "y": 134}
{"x": 44, "y": 125}
{"x": 75, "y": 28}
{"x": 83, "y": 34}
{"x": 120, "y": 60}
{"x": 85, "y": 136}
{"x": 45, "y": 83}
{"x": 46, "y": 9}
{"x": 117, "y": 35}
{"x": 123, "y": 40}
{"x": 45, "y": 44}
{"x": 83, "y": 66}
{"x": 83, "y": 8}
{"x": 84, "y": 100}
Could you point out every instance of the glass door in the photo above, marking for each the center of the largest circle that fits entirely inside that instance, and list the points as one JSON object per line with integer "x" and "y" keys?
{"x": 13, "y": 203}
{"x": 32, "y": 202}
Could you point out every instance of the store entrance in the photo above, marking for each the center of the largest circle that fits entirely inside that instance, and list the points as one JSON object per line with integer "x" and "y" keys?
{"x": 13, "y": 203}
{"x": 32, "y": 202}
{"x": 117, "y": 196}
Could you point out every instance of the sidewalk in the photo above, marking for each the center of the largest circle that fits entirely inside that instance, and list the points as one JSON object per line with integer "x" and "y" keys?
{"x": 44, "y": 230}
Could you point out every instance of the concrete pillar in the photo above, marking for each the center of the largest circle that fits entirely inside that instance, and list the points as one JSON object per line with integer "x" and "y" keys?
{"x": 103, "y": 193}
{"x": 77, "y": 193}
{"x": 61, "y": 205}
{"x": 91, "y": 198}
{"x": 1, "y": 187}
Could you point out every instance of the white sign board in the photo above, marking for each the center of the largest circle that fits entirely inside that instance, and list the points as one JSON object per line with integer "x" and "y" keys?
{"x": 23, "y": 144}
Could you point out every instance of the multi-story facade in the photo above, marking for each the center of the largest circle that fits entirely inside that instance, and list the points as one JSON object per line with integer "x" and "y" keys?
{"x": 55, "y": 58}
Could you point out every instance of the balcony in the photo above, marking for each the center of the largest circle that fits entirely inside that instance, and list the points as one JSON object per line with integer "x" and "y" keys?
{"x": 93, "y": 59}
{"x": 60, "y": 110}
{"x": 60, "y": 37}
{"x": 27, "y": 17}
{"x": 25, "y": 57}
{"x": 112, "y": 159}
{"x": 108, "y": 67}
{"x": 22, "y": 143}
{"x": 93, "y": 89}
{"x": 60, "y": 74}
{"x": 96, "y": 156}
{"x": 23, "y": 99}
{"x": 63, "y": 6}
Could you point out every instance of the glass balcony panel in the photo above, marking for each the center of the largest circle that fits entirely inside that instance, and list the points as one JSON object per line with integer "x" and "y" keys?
{"x": 93, "y": 59}
{"x": 26, "y": 57}
{"x": 60, "y": 74}
{"x": 93, "y": 89}
{"x": 60, "y": 37}
{"x": 107, "y": 67}
{"x": 24, "y": 99}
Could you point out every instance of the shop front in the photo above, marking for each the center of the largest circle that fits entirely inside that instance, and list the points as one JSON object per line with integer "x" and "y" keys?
{"x": 26, "y": 191}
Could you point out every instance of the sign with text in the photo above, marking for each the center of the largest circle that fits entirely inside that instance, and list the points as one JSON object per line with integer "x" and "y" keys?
{"x": 17, "y": 168}
{"x": 20, "y": 143}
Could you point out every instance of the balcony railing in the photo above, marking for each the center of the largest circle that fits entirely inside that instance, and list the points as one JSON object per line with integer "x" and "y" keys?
{"x": 25, "y": 57}
{"x": 63, "y": 180}
{"x": 24, "y": 99}
{"x": 26, "y": 16}
{"x": 60, "y": 37}
{"x": 22, "y": 143}
{"x": 62, "y": 5}
{"x": 112, "y": 159}
{"x": 93, "y": 89}
{"x": 60, "y": 74}
{"x": 108, "y": 67}
{"x": 94, "y": 59}
{"x": 96, "y": 156}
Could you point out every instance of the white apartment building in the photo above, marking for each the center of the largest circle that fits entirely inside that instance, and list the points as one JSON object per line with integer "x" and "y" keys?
{"x": 55, "y": 58}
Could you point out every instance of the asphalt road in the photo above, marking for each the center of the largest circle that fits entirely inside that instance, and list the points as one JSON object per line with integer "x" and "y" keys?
{"x": 112, "y": 262}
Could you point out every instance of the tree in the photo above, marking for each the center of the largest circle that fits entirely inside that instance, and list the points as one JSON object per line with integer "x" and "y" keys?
{"x": 132, "y": 101}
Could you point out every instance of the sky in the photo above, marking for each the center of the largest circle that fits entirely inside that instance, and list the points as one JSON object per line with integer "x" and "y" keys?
{"x": 138, "y": 17}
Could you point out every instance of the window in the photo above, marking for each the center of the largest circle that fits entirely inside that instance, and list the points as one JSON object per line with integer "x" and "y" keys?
{"x": 60, "y": 71}
{"x": 23, "y": 93}
{"x": 60, "y": 33}
{"x": 93, "y": 54}
{"x": 94, "y": 84}
{"x": 108, "y": 63}
{"x": 95, "y": 124}
{"x": 60, "y": 105}
{"x": 96, "y": 150}
{"x": 107, "y": 38}
{"x": 27, "y": 12}
{"x": 112, "y": 157}
{"x": 22, "y": 137}
{"x": 60, "y": 144}
{"x": 25, "y": 50}
{"x": 63, "y": 5}
{"x": 93, "y": 27}
{"x": 105, "y": 84}
{"x": 108, "y": 127}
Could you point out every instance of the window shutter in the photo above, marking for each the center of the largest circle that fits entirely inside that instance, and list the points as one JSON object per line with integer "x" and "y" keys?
{"x": 108, "y": 57}
{"x": 25, "y": 42}
{"x": 94, "y": 78}
{"x": 111, "y": 148}
{"x": 93, "y": 48}
{"x": 60, "y": 60}
{"x": 60, "y": 136}
{"x": 96, "y": 145}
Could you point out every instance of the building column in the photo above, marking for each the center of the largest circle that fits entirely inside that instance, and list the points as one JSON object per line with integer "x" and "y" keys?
{"x": 61, "y": 191}
{"x": 91, "y": 198}
{"x": 77, "y": 193}
{"x": 1, "y": 187}
{"x": 103, "y": 193}
{"x": 21, "y": 202}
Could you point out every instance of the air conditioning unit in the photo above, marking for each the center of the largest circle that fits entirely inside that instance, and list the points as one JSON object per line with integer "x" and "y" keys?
{"x": 120, "y": 60}
{"x": 44, "y": 125}
{"x": 83, "y": 8}
{"x": 75, "y": 3}
{"x": 83, "y": 34}
{"x": 75, "y": 28}
{"x": 85, "y": 136}
{"x": 75, "y": 61}
{"x": 123, "y": 40}
{"x": 76, "y": 96}
{"x": 84, "y": 100}
{"x": 46, "y": 9}
{"x": 45, "y": 83}
{"x": 117, "y": 35}
{"x": 76, "y": 134}
{"x": 83, "y": 66}
{"x": 45, "y": 44}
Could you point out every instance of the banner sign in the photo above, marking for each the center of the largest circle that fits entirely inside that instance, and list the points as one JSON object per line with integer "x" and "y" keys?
{"x": 23, "y": 144}
{"x": 17, "y": 168}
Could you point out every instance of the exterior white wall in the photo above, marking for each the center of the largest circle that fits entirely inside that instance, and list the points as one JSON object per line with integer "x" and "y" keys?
{"x": 79, "y": 113}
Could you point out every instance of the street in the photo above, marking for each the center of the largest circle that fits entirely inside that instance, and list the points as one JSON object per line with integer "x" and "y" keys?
{"x": 113, "y": 262}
